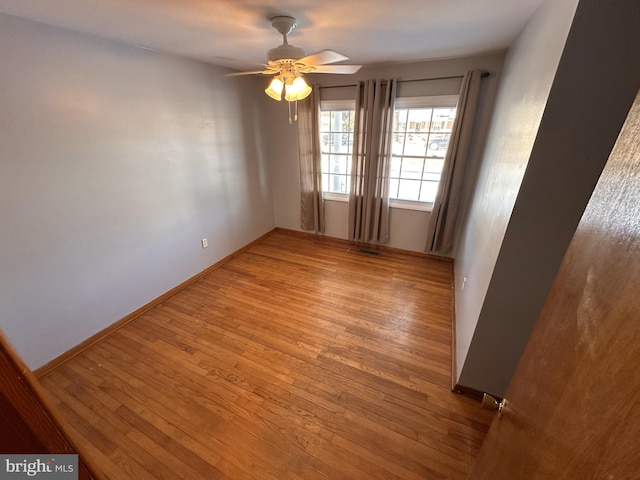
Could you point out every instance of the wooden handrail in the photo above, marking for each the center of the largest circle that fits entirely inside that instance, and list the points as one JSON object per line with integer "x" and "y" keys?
{"x": 29, "y": 422}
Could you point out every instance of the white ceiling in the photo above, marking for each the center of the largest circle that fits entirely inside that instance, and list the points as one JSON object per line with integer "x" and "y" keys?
{"x": 237, "y": 33}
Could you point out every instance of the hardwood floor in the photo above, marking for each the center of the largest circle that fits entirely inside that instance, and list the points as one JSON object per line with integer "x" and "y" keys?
{"x": 299, "y": 359}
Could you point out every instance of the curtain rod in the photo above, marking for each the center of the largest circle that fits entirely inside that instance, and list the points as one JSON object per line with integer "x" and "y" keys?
{"x": 452, "y": 77}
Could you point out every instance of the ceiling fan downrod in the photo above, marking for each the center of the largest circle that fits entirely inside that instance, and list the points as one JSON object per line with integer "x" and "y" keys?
{"x": 285, "y": 25}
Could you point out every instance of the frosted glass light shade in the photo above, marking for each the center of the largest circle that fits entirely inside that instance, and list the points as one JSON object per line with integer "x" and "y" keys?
{"x": 274, "y": 90}
{"x": 297, "y": 90}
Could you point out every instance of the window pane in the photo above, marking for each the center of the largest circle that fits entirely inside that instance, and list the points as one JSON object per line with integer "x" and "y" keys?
{"x": 334, "y": 183}
{"x": 400, "y": 120}
{"x": 443, "y": 119}
{"x": 336, "y": 143}
{"x": 423, "y": 133}
{"x": 419, "y": 120}
{"x": 393, "y": 188}
{"x": 428, "y": 191}
{"x": 433, "y": 165}
{"x": 432, "y": 170}
{"x": 412, "y": 168}
{"x": 352, "y": 119}
{"x": 325, "y": 120}
{"x": 338, "y": 183}
{"x": 325, "y": 163}
{"x": 419, "y": 144}
{"x": 431, "y": 177}
{"x": 438, "y": 143}
{"x": 415, "y": 144}
{"x": 409, "y": 189}
{"x": 338, "y": 164}
{"x": 397, "y": 146}
{"x": 341, "y": 144}
{"x": 394, "y": 167}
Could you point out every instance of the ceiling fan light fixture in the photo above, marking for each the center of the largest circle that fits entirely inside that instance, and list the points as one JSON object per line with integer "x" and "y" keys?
{"x": 288, "y": 63}
{"x": 274, "y": 90}
{"x": 297, "y": 90}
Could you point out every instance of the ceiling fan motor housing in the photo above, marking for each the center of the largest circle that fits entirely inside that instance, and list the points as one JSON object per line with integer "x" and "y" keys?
{"x": 284, "y": 52}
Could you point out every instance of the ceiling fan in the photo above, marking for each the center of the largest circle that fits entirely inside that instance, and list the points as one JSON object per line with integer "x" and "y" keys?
{"x": 287, "y": 63}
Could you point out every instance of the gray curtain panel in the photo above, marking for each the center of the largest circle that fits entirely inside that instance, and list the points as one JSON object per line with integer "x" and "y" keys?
{"x": 441, "y": 229}
{"x": 369, "y": 195}
{"x": 311, "y": 201}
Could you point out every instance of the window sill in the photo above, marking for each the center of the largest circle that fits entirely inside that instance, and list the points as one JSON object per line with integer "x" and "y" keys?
{"x": 411, "y": 205}
{"x": 393, "y": 203}
{"x": 335, "y": 197}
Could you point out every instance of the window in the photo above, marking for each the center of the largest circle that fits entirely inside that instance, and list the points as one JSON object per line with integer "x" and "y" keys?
{"x": 421, "y": 133}
{"x": 336, "y": 146}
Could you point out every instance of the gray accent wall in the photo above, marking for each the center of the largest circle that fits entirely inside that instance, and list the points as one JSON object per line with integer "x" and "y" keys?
{"x": 567, "y": 87}
{"x": 114, "y": 162}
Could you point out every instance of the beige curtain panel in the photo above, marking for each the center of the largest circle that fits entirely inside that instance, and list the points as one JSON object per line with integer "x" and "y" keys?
{"x": 444, "y": 216}
{"x": 369, "y": 195}
{"x": 311, "y": 201}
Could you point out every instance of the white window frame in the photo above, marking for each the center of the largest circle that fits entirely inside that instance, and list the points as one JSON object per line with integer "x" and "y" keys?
{"x": 333, "y": 106}
{"x": 428, "y": 101}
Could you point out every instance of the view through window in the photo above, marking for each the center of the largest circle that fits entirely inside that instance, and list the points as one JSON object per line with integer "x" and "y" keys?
{"x": 421, "y": 136}
{"x": 420, "y": 141}
{"x": 336, "y": 143}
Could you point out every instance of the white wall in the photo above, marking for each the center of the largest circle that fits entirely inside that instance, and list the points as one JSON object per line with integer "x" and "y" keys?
{"x": 557, "y": 117}
{"x": 114, "y": 163}
{"x": 408, "y": 227}
{"x": 526, "y": 81}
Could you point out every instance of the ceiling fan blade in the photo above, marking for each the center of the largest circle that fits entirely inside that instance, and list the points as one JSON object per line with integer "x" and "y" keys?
{"x": 254, "y": 72}
{"x": 322, "y": 57}
{"x": 338, "y": 69}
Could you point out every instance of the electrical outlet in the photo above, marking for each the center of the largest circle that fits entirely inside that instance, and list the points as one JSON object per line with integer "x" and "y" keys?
{"x": 205, "y": 243}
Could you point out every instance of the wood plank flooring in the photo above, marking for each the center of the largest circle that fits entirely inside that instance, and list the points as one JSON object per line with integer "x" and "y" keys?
{"x": 299, "y": 359}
